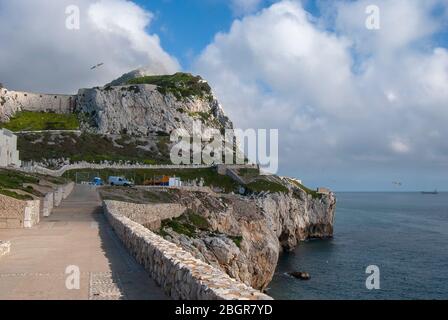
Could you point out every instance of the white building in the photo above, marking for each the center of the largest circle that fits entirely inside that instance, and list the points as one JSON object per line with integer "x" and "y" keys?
{"x": 175, "y": 182}
{"x": 9, "y": 155}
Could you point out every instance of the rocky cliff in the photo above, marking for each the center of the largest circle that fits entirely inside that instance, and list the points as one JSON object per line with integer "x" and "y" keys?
{"x": 142, "y": 110}
{"x": 134, "y": 104}
{"x": 128, "y": 120}
{"x": 244, "y": 235}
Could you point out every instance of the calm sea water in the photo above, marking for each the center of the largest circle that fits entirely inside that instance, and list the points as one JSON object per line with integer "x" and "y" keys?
{"x": 404, "y": 234}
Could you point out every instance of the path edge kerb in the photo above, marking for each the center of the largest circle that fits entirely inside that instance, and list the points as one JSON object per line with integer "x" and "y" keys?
{"x": 181, "y": 276}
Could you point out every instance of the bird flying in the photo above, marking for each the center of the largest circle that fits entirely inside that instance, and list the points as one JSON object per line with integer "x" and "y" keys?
{"x": 97, "y": 66}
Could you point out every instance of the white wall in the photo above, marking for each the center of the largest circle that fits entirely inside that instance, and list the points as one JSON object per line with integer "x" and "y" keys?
{"x": 9, "y": 155}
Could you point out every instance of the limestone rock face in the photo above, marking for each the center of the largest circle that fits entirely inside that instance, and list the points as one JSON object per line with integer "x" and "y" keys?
{"x": 142, "y": 110}
{"x": 297, "y": 216}
{"x": 247, "y": 234}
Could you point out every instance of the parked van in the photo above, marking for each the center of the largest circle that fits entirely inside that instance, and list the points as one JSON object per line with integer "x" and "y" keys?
{"x": 119, "y": 181}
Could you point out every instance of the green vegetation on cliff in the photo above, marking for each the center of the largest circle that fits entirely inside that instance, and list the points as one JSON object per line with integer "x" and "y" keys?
{"x": 189, "y": 224}
{"x": 39, "y": 121}
{"x": 91, "y": 148}
{"x": 12, "y": 182}
{"x": 181, "y": 85}
{"x": 309, "y": 191}
{"x": 262, "y": 185}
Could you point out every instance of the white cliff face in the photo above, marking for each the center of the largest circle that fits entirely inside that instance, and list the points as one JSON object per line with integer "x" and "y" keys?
{"x": 298, "y": 216}
{"x": 142, "y": 110}
{"x": 264, "y": 226}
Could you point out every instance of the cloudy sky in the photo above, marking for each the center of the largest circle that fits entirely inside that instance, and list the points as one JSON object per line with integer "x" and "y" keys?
{"x": 356, "y": 108}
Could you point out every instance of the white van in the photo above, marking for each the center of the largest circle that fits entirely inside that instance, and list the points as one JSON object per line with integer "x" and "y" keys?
{"x": 119, "y": 181}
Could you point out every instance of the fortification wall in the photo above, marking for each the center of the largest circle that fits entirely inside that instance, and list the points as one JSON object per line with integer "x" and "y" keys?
{"x": 180, "y": 274}
{"x": 14, "y": 101}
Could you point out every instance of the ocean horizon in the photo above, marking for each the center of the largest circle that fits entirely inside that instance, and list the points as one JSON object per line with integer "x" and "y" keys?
{"x": 405, "y": 234}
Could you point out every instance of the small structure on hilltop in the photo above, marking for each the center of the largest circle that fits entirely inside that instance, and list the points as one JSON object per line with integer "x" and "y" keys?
{"x": 9, "y": 155}
{"x": 323, "y": 191}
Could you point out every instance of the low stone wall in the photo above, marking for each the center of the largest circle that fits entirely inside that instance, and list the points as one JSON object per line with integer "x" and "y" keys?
{"x": 150, "y": 215}
{"x": 5, "y": 247}
{"x": 180, "y": 274}
{"x": 54, "y": 199}
{"x": 16, "y": 213}
{"x": 85, "y": 165}
{"x": 48, "y": 204}
{"x": 32, "y": 214}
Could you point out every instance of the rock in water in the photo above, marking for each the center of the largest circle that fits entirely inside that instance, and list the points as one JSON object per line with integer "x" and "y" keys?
{"x": 300, "y": 275}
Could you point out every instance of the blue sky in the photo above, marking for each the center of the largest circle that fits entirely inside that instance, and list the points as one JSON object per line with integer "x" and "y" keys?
{"x": 186, "y": 27}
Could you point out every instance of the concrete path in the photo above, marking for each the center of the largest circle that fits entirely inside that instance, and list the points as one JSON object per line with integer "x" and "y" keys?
{"x": 76, "y": 234}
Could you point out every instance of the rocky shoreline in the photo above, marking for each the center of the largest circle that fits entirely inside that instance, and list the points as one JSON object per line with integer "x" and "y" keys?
{"x": 244, "y": 235}
{"x": 248, "y": 235}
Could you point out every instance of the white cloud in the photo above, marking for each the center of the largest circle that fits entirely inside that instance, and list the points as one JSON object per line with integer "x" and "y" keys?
{"x": 337, "y": 96}
{"x": 399, "y": 146}
{"x": 43, "y": 55}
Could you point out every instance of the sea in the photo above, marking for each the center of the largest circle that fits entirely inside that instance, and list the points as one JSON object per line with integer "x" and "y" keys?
{"x": 404, "y": 236}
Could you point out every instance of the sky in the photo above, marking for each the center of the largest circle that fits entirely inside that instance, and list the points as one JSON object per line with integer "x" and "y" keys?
{"x": 356, "y": 109}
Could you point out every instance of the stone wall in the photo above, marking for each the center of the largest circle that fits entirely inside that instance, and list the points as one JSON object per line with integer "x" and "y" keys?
{"x": 32, "y": 214}
{"x": 116, "y": 166}
{"x": 54, "y": 198}
{"x": 16, "y": 214}
{"x": 5, "y": 247}
{"x": 180, "y": 274}
{"x": 13, "y": 101}
{"x": 150, "y": 215}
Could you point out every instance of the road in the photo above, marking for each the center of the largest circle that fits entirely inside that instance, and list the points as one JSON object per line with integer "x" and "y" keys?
{"x": 44, "y": 260}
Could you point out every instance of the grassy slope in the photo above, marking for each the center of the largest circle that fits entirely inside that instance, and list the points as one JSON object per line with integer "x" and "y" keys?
{"x": 11, "y": 180}
{"x": 37, "y": 121}
{"x": 87, "y": 147}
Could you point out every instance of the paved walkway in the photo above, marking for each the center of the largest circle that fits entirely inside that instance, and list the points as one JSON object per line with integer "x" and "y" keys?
{"x": 76, "y": 234}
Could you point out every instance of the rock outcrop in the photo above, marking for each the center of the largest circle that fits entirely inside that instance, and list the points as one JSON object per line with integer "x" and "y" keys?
{"x": 142, "y": 110}
{"x": 245, "y": 235}
{"x": 175, "y": 270}
{"x": 172, "y": 102}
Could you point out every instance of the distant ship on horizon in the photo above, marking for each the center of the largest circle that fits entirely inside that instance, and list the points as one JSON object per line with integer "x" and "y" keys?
{"x": 430, "y": 192}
